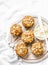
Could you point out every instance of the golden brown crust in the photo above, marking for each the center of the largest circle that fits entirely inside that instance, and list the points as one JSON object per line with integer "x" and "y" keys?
{"x": 37, "y": 48}
{"x": 16, "y": 30}
{"x": 28, "y": 21}
{"x": 21, "y": 50}
{"x": 27, "y": 36}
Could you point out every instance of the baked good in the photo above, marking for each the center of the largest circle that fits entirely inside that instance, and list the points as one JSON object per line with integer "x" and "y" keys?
{"x": 21, "y": 49}
{"x": 28, "y": 21}
{"x": 16, "y": 29}
{"x": 27, "y": 36}
{"x": 37, "y": 48}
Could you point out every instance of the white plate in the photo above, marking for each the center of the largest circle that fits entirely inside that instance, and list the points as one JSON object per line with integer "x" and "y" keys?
{"x": 13, "y": 41}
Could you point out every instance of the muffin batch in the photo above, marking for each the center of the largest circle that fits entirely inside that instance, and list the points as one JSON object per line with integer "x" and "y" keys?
{"x": 27, "y": 37}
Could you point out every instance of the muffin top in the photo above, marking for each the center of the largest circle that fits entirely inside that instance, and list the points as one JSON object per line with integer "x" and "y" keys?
{"x": 37, "y": 48}
{"x": 16, "y": 29}
{"x": 28, "y": 21}
{"x": 21, "y": 49}
{"x": 27, "y": 36}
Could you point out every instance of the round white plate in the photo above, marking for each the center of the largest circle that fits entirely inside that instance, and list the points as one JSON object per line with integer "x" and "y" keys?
{"x": 13, "y": 41}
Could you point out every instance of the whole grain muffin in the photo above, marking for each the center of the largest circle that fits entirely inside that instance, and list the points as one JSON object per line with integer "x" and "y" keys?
{"x": 16, "y": 29}
{"x": 21, "y": 49}
{"x": 37, "y": 48}
{"x": 28, "y": 21}
{"x": 27, "y": 36}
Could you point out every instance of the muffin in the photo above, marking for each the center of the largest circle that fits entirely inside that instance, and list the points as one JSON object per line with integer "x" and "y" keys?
{"x": 28, "y": 21}
{"x": 16, "y": 29}
{"x": 37, "y": 48}
{"x": 21, "y": 50}
{"x": 27, "y": 36}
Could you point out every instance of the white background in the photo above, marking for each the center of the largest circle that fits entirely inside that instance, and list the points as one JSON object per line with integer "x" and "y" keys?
{"x": 9, "y": 8}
